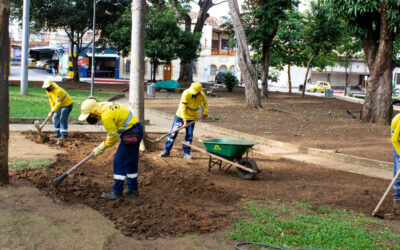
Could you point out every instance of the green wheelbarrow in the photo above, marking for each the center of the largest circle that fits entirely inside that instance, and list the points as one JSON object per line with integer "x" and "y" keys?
{"x": 225, "y": 153}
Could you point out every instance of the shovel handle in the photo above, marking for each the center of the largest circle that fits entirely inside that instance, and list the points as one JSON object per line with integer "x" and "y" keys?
{"x": 44, "y": 122}
{"x": 385, "y": 194}
{"x": 60, "y": 178}
{"x": 190, "y": 123}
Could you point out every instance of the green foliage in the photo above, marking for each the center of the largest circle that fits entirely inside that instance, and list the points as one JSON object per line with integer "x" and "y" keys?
{"x": 36, "y": 104}
{"x": 297, "y": 225}
{"x": 21, "y": 164}
{"x": 230, "y": 81}
{"x": 164, "y": 39}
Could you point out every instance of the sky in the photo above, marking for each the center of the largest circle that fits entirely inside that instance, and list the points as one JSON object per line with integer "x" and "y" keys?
{"x": 223, "y": 8}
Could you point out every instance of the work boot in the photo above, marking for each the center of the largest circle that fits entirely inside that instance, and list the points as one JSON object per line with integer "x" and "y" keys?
{"x": 111, "y": 196}
{"x": 55, "y": 135}
{"x": 164, "y": 154}
{"x": 396, "y": 205}
{"x": 131, "y": 192}
{"x": 187, "y": 156}
{"x": 62, "y": 138}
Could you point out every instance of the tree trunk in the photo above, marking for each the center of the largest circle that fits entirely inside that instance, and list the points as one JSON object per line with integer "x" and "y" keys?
{"x": 4, "y": 98}
{"x": 266, "y": 60}
{"x": 248, "y": 72}
{"x": 186, "y": 72}
{"x": 289, "y": 79}
{"x": 307, "y": 71}
{"x": 377, "y": 106}
{"x": 346, "y": 81}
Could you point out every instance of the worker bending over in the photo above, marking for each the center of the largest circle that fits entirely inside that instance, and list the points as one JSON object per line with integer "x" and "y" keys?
{"x": 395, "y": 129}
{"x": 117, "y": 120}
{"x": 61, "y": 106}
{"x": 188, "y": 111}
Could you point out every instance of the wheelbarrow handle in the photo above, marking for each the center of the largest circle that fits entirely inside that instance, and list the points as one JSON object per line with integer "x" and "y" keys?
{"x": 176, "y": 130}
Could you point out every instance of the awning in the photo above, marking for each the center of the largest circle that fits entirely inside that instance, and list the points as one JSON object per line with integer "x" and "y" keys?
{"x": 103, "y": 55}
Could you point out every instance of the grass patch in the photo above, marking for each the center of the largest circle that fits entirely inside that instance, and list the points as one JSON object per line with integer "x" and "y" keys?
{"x": 21, "y": 164}
{"x": 36, "y": 104}
{"x": 297, "y": 225}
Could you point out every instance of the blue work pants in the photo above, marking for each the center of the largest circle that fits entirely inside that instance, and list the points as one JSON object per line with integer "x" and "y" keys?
{"x": 61, "y": 120}
{"x": 178, "y": 122}
{"x": 126, "y": 162}
{"x": 396, "y": 168}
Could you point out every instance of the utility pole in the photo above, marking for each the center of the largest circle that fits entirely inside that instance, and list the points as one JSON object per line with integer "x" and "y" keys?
{"x": 25, "y": 45}
{"x": 93, "y": 48}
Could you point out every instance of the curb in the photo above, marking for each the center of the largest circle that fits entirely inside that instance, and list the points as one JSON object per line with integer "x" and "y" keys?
{"x": 301, "y": 149}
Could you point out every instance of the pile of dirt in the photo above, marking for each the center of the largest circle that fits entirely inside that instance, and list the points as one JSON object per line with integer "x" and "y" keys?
{"x": 179, "y": 196}
{"x": 173, "y": 201}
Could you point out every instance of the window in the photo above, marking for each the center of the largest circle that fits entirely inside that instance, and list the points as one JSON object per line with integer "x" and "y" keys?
{"x": 223, "y": 69}
{"x": 224, "y": 44}
{"x": 232, "y": 69}
{"x": 194, "y": 68}
{"x": 213, "y": 70}
{"x": 128, "y": 66}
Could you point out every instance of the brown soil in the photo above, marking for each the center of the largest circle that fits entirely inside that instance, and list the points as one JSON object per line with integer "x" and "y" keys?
{"x": 178, "y": 196}
{"x": 70, "y": 84}
{"x": 303, "y": 121}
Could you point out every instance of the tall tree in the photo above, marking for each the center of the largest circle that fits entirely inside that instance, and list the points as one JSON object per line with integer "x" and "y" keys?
{"x": 75, "y": 17}
{"x": 261, "y": 20}
{"x": 321, "y": 35}
{"x": 164, "y": 40}
{"x": 376, "y": 23}
{"x": 246, "y": 67}
{"x": 4, "y": 73}
{"x": 288, "y": 45}
{"x": 186, "y": 68}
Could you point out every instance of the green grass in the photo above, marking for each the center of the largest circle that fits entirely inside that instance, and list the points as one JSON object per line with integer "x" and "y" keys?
{"x": 297, "y": 225}
{"x": 20, "y": 164}
{"x": 36, "y": 104}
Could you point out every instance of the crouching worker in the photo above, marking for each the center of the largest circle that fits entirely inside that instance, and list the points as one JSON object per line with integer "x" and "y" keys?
{"x": 188, "y": 111}
{"x": 61, "y": 106}
{"x": 117, "y": 120}
{"x": 395, "y": 129}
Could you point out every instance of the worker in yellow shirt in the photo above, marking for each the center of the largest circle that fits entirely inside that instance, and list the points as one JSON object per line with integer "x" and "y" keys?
{"x": 395, "y": 129}
{"x": 188, "y": 111}
{"x": 61, "y": 106}
{"x": 117, "y": 120}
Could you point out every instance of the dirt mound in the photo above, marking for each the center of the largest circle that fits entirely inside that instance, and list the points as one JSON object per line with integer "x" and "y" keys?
{"x": 173, "y": 200}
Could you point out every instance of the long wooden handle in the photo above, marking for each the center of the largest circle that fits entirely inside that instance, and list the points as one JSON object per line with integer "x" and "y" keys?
{"x": 81, "y": 162}
{"x": 44, "y": 122}
{"x": 385, "y": 194}
{"x": 220, "y": 158}
{"x": 190, "y": 123}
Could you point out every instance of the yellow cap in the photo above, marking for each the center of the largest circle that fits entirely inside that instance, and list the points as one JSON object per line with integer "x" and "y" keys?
{"x": 195, "y": 88}
{"x": 87, "y": 107}
{"x": 47, "y": 83}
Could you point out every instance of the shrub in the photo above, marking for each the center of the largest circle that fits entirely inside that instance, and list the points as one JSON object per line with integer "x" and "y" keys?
{"x": 230, "y": 81}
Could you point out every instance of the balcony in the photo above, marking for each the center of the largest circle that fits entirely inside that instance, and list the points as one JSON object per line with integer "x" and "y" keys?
{"x": 226, "y": 52}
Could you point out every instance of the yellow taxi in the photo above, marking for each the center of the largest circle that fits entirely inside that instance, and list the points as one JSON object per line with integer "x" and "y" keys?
{"x": 31, "y": 63}
{"x": 319, "y": 86}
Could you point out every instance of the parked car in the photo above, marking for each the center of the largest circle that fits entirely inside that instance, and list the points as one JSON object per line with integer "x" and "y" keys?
{"x": 31, "y": 63}
{"x": 52, "y": 67}
{"x": 42, "y": 63}
{"x": 319, "y": 86}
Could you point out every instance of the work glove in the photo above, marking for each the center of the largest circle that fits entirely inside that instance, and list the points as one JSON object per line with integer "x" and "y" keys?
{"x": 50, "y": 114}
{"x": 205, "y": 116}
{"x": 99, "y": 149}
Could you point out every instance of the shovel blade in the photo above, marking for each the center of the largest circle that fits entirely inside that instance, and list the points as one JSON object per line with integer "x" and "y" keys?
{"x": 37, "y": 124}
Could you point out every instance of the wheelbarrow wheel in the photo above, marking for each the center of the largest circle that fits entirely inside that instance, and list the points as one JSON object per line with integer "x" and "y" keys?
{"x": 248, "y": 163}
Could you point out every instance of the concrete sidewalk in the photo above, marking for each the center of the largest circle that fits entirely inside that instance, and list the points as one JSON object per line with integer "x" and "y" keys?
{"x": 162, "y": 122}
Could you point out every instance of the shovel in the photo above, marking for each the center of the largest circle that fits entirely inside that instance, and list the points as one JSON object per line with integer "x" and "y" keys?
{"x": 39, "y": 126}
{"x": 60, "y": 178}
{"x": 163, "y": 136}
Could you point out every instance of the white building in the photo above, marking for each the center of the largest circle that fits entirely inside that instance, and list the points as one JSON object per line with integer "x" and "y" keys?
{"x": 358, "y": 75}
